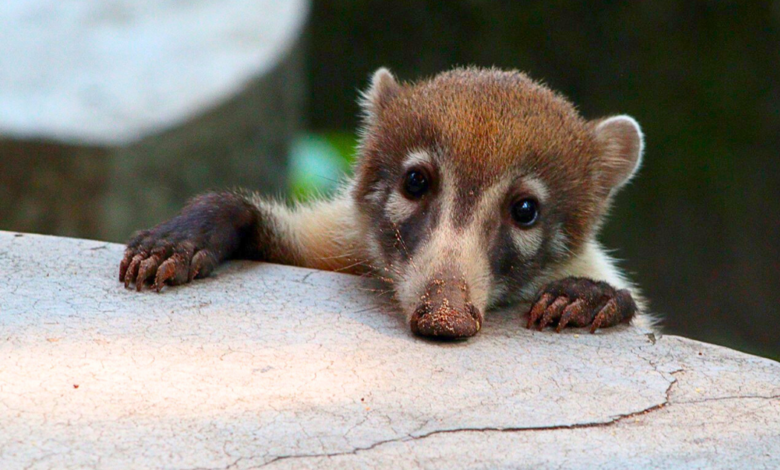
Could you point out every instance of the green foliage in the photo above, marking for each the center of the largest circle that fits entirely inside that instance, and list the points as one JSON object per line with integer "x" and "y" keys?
{"x": 319, "y": 162}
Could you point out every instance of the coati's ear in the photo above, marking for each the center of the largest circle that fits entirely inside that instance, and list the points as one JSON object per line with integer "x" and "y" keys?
{"x": 382, "y": 89}
{"x": 621, "y": 144}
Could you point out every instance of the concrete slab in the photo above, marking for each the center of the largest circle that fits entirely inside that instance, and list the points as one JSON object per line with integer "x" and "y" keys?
{"x": 281, "y": 367}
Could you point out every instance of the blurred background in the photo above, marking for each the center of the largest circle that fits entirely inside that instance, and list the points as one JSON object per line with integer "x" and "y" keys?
{"x": 699, "y": 230}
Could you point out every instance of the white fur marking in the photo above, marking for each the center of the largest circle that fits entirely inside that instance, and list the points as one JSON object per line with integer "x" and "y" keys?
{"x": 558, "y": 242}
{"x": 537, "y": 188}
{"x": 528, "y": 241}
{"x": 398, "y": 208}
{"x": 415, "y": 158}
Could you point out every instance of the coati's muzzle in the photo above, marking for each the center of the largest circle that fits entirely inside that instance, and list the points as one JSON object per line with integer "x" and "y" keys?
{"x": 446, "y": 311}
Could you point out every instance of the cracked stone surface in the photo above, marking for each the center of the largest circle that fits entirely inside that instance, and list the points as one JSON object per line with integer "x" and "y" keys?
{"x": 281, "y": 367}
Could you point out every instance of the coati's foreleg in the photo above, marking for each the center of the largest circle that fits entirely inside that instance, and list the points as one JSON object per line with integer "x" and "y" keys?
{"x": 211, "y": 228}
{"x": 215, "y": 227}
{"x": 580, "y": 302}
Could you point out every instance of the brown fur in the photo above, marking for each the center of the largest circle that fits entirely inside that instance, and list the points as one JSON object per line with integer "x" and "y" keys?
{"x": 489, "y": 122}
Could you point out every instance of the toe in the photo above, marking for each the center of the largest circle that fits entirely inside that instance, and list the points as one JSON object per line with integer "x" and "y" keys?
{"x": 606, "y": 317}
{"x": 132, "y": 269}
{"x": 146, "y": 269}
{"x": 538, "y": 309}
{"x": 202, "y": 264}
{"x": 166, "y": 271}
{"x": 129, "y": 253}
{"x": 573, "y": 312}
{"x": 553, "y": 312}
{"x": 181, "y": 274}
{"x": 175, "y": 271}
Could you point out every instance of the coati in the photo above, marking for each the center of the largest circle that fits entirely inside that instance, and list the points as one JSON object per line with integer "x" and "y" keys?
{"x": 472, "y": 189}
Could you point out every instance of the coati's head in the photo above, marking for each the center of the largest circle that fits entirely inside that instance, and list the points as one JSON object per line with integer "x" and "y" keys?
{"x": 475, "y": 185}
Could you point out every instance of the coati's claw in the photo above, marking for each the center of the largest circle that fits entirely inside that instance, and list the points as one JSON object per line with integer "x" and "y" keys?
{"x": 581, "y": 302}
{"x": 175, "y": 271}
{"x": 573, "y": 310}
{"x": 159, "y": 258}
{"x": 124, "y": 264}
{"x": 202, "y": 264}
{"x": 553, "y": 312}
{"x": 145, "y": 270}
{"x": 538, "y": 309}
{"x": 132, "y": 269}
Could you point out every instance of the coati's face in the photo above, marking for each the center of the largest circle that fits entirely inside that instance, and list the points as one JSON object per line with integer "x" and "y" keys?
{"x": 476, "y": 185}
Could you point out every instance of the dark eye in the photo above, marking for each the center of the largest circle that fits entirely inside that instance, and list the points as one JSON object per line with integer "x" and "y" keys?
{"x": 416, "y": 183}
{"x": 525, "y": 212}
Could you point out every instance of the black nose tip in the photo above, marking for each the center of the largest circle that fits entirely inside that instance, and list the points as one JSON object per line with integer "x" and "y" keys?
{"x": 443, "y": 321}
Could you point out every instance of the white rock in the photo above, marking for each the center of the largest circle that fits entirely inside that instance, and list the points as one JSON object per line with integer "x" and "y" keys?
{"x": 112, "y": 71}
{"x": 266, "y": 365}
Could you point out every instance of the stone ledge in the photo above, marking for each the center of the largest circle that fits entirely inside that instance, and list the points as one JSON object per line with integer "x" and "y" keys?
{"x": 283, "y": 367}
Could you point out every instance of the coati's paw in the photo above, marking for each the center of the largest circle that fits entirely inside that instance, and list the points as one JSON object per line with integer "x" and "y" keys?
{"x": 580, "y": 302}
{"x": 161, "y": 256}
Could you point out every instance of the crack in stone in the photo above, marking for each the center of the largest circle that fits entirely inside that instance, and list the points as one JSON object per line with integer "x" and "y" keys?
{"x": 229, "y": 466}
{"x": 617, "y": 419}
{"x": 611, "y": 422}
{"x": 730, "y": 397}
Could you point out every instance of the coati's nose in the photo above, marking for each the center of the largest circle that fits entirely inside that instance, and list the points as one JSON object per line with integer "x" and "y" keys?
{"x": 445, "y": 312}
{"x": 446, "y": 322}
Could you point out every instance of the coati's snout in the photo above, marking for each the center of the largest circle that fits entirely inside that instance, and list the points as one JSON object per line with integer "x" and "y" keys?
{"x": 446, "y": 311}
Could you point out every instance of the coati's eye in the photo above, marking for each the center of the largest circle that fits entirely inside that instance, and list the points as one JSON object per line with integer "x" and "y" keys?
{"x": 525, "y": 212}
{"x": 416, "y": 183}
